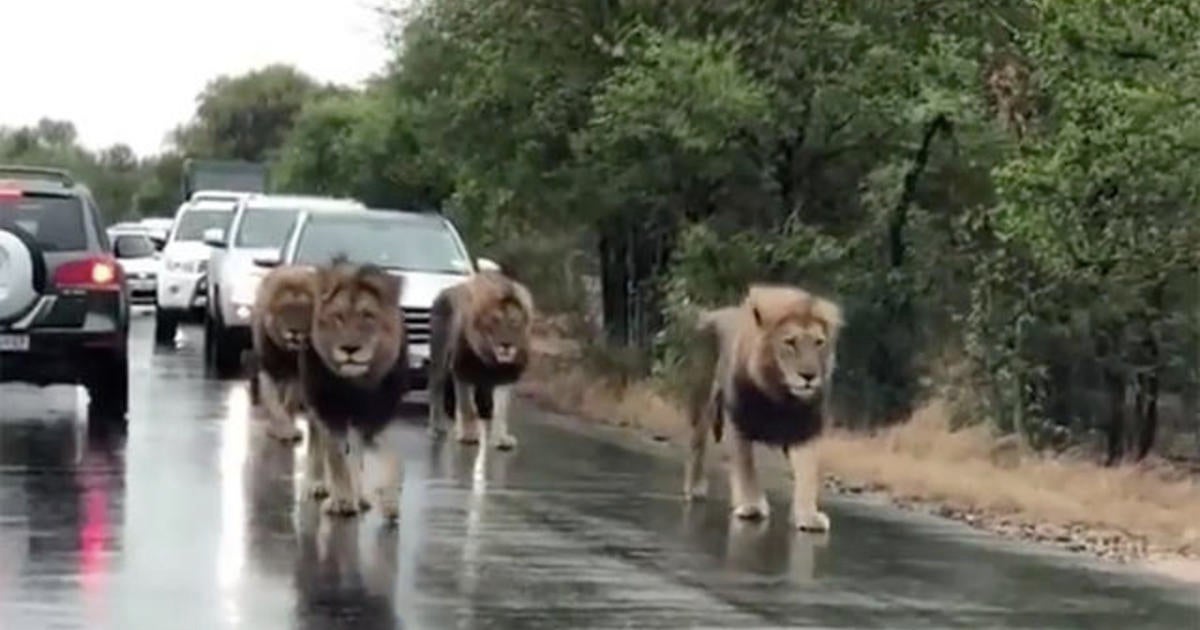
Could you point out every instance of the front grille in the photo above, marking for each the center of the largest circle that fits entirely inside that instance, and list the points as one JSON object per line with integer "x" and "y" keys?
{"x": 416, "y": 324}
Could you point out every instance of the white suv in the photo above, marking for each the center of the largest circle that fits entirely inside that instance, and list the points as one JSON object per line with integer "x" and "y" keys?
{"x": 180, "y": 292}
{"x": 259, "y": 227}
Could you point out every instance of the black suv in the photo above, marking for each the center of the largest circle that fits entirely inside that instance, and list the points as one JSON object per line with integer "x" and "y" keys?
{"x": 64, "y": 307}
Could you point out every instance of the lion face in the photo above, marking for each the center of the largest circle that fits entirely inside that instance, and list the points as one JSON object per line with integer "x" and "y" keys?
{"x": 797, "y": 331}
{"x": 357, "y": 320}
{"x": 289, "y": 316}
{"x": 503, "y": 332}
{"x": 801, "y": 353}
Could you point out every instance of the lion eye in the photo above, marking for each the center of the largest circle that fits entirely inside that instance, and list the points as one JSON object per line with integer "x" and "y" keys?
{"x": 820, "y": 341}
{"x": 792, "y": 342}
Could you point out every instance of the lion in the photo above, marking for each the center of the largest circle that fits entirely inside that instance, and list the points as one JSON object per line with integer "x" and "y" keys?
{"x": 279, "y": 328}
{"x": 479, "y": 346}
{"x": 765, "y": 365}
{"x": 353, "y": 375}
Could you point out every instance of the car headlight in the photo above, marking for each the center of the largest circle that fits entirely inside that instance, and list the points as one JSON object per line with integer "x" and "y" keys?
{"x": 245, "y": 288}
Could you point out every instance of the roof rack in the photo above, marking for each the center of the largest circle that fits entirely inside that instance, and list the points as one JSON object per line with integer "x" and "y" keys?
{"x": 61, "y": 175}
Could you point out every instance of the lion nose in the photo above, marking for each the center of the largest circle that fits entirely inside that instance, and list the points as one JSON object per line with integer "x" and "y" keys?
{"x": 351, "y": 350}
{"x": 808, "y": 376}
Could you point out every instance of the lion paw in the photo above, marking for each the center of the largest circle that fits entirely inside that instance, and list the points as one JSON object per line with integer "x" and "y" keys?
{"x": 506, "y": 442}
{"x": 752, "y": 511}
{"x": 811, "y": 522}
{"x": 316, "y": 490}
{"x": 288, "y": 434}
{"x": 342, "y": 506}
{"x": 697, "y": 491}
{"x": 389, "y": 505}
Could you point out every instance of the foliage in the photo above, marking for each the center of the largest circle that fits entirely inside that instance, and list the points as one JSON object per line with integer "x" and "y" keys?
{"x": 123, "y": 186}
{"x": 248, "y": 116}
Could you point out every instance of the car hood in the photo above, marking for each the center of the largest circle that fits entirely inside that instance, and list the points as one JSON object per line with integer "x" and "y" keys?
{"x": 239, "y": 261}
{"x": 186, "y": 250}
{"x": 422, "y": 287}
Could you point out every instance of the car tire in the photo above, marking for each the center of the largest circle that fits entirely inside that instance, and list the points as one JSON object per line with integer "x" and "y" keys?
{"x": 222, "y": 352}
{"x": 166, "y": 324}
{"x": 24, "y": 270}
{"x": 108, "y": 389}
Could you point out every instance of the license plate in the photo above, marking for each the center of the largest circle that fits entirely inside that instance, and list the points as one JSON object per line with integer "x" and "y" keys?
{"x": 418, "y": 355}
{"x": 14, "y": 343}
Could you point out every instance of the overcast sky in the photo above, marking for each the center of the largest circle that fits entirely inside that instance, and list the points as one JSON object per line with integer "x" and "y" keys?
{"x": 129, "y": 70}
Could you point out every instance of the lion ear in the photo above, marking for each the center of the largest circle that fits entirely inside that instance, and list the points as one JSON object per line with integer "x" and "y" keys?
{"x": 325, "y": 282}
{"x": 393, "y": 288}
{"x": 829, "y": 313}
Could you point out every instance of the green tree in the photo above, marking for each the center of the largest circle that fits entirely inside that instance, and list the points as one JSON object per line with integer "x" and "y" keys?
{"x": 247, "y": 116}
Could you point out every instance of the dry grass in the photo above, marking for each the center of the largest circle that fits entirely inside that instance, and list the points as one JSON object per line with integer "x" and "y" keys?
{"x": 973, "y": 471}
{"x": 975, "y": 475}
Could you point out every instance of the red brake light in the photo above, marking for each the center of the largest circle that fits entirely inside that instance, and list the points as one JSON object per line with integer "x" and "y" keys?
{"x": 11, "y": 193}
{"x": 95, "y": 274}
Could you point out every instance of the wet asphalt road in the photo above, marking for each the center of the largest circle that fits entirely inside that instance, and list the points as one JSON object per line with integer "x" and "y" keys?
{"x": 192, "y": 519}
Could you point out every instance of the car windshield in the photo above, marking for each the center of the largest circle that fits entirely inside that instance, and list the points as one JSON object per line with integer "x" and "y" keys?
{"x": 56, "y": 223}
{"x": 193, "y": 223}
{"x": 391, "y": 242}
{"x": 133, "y": 246}
{"x": 261, "y": 227}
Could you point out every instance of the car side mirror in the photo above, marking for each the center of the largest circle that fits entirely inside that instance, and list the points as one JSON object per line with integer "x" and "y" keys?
{"x": 486, "y": 264}
{"x": 214, "y": 237}
{"x": 267, "y": 260}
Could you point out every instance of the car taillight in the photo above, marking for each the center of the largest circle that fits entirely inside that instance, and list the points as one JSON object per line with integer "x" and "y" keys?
{"x": 11, "y": 193}
{"x": 95, "y": 274}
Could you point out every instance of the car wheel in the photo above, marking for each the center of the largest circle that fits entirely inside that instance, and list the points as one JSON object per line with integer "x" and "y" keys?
{"x": 224, "y": 354}
{"x": 24, "y": 272}
{"x": 165, "y": 325}
{"x": 108, "y": 389}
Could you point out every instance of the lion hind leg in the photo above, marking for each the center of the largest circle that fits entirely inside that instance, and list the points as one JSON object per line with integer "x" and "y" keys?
{"x": 705, "y": 415}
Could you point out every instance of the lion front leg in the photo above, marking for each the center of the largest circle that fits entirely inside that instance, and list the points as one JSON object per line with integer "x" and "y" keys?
{"x": 501, "y": 399}
{"x": 316, "y": 486}
{"x": 280, "y": 423}
{"x": 806, "y": 481}
{"x": 388, "y": 493}
{"x": 749, "y": 500}
{"x": 466, "y": 418}
{"x": 344, "y": 466}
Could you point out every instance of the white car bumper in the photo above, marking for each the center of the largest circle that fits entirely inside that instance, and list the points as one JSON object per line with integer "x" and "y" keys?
{"x": 179, "y": 290}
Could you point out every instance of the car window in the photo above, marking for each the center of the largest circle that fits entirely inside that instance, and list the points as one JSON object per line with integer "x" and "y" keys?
{"x": 260, "y": 227}
{"x": 193, "y": 223}
{"x": 133, "y": 246}
{"x": 56, "y": 223}
{"x": 394, "y": 243}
